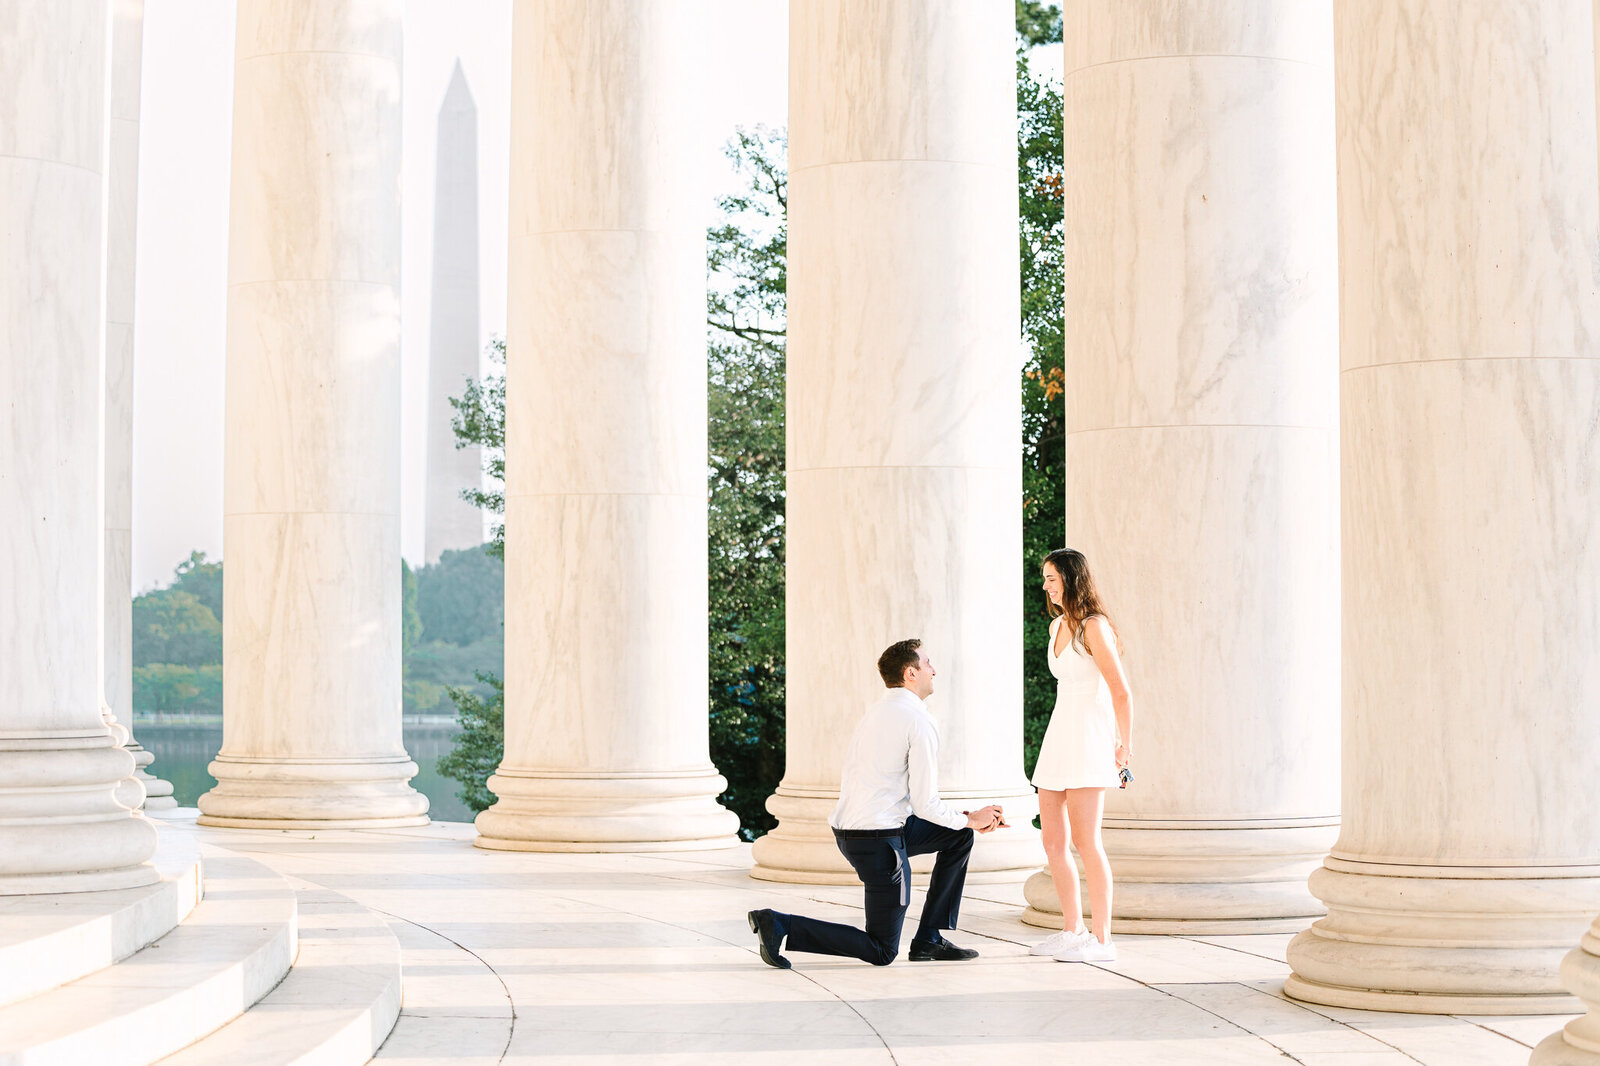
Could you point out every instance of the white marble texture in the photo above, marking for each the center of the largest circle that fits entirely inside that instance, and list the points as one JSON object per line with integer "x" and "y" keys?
{"x": 450, "y": 522}
{"x": 1578, "y": 1042}
{"x": 904, "y": 505}
{"x": 606, "y": 744}
{"x": 1202, "y": 446}
{"x": 61, "y": 825}
{"x": 122, "y": 177}
{"x": 311, "y": 733}
{"x": 540, "y": 958}
{"x": 1469, "y": 208}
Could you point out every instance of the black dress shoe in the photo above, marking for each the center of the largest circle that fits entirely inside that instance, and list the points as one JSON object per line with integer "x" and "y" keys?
{"x": 766, "y": 931}
{"x": 943, "y": 951}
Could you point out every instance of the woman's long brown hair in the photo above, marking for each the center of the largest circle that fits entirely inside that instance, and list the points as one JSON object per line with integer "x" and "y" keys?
{"x": 1079, "y": 598}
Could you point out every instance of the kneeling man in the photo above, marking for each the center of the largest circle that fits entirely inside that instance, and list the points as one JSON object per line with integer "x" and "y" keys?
{"x": 889, "y": 810}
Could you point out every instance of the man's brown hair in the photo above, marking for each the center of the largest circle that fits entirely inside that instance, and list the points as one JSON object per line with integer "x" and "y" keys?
{"x": 894, "y": 660}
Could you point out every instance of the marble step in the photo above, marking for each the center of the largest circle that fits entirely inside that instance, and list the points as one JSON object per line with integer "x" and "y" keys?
{"x": 231, "y": 950}
{"x": 335, "y": 1007}
{"x": 50, "y": 940}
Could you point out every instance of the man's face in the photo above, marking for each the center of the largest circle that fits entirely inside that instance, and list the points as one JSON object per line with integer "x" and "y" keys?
{"x": 919, "y": 678}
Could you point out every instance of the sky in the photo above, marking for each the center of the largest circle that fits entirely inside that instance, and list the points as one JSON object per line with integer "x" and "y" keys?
{"x": 180, "y": 309}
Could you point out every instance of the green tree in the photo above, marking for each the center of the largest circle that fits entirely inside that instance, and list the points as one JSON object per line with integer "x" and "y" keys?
{"x": 1042, "y": 245}
{"x": 746, "y": 310}
{"x": 202, "y": 580}
{"x": 461, "y": 598}
{"x": 481, "y": 744}
{"x": 410, "y": 620}
{"x": 1038, "y": 22}
{"x": 168, "y": 688}
{"x": 480, "y": 419}
{"x": 172, "y": 626}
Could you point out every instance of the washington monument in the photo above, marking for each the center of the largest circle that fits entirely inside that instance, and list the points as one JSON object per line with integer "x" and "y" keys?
{"x": 453, "y": 323}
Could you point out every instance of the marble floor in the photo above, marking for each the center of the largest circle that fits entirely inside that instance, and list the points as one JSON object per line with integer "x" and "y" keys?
{"x": 547, "y": 958}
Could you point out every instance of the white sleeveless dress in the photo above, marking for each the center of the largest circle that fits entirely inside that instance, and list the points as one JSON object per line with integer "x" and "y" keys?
{"x": 1080, "y": 744}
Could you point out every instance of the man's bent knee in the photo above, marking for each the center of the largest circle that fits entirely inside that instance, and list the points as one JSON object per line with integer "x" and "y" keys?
{"x": 963, "y": 841}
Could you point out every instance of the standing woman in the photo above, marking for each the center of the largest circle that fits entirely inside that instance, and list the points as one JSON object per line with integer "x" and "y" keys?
{"x": 1085, "y": 747}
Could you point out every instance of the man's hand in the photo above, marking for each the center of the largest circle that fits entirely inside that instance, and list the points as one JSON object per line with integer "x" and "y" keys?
{"x": 986, "y": 820}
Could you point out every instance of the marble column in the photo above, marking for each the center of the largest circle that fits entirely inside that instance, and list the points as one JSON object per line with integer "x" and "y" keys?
{"x": 61, "y": 826}
{"x": 1202, "y": 444}
{"x": 905, "y": 497}
{"x": 606, "y": 736}
{"x": 1469, "y": 202}
{"x": 127, "y": 31}
{"x": 311, "y": 524}
{"x": 452, "y": 523}
{"x": 1578, "y": 1042}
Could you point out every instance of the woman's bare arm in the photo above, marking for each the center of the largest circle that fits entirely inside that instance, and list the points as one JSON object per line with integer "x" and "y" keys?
{"x": 1102, "y": 645}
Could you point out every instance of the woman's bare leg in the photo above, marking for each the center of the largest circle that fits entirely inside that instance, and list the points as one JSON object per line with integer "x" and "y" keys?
{"x": 1053, "y": 831}
{"x": 1085, "y": 806}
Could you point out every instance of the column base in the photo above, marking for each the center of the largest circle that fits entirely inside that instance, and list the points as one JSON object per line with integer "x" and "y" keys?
{"x": 1218, "y": 878}
{"x": 1441, "y": 939}
{"x": 278, "y": 793}
{"x": 157, "y": 793}
{"x": 62, "y": 828}
{"x": 1579, "y": 1043}
{"x": 801, "y": 849}
{"x": 596, "y": 813}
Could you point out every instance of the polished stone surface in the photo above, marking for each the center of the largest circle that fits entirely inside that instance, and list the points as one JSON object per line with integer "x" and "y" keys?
{"x": 1578, "y": 1042}
{"x": 230, "y": 950}
{"x": 1202, "y": 444}
{"x": 606, "y": 740}
{"x": 311, "y": 524}
{"x": 62, "y": 826}
{"x": 904, "y": 491}
{"x": 122, "y": 178}
{"x": 523, "y": 958}
{"x": 1469, "y": 207}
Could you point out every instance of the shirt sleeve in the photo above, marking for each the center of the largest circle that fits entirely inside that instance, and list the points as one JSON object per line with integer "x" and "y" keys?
{"x": 922, "y": 779}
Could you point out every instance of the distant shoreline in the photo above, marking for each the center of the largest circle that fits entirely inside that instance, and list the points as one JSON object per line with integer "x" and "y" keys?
{"x": 143, "y": 719}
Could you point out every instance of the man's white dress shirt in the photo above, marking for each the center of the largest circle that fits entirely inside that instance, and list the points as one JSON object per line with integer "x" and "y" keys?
{"x": 891, "y": 770}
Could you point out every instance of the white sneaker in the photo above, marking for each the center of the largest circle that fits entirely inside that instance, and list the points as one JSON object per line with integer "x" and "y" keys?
{"x": 1059, "y": 942}
{"x": 1089, "y": 950}
{"x": 1053, "y": 943}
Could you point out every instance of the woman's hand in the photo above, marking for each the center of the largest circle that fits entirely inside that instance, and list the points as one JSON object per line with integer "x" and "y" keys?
{"x": 1124, "y": 756}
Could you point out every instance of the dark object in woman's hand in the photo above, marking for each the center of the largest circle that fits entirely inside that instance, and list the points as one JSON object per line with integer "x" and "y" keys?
{"x": 1126, "y": 776}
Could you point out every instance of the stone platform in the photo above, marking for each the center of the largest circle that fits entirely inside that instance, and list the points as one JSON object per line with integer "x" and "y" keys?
{"x": 561, "y": 958}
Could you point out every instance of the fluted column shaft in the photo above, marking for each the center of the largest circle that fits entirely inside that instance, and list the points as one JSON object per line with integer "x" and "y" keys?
{"x": 1469, "y": 199}
{"x": 311, "y": 529}
{"x": 904, "y": 489}
{"x": 1202, "y": 444}
{"x": 127, "y": 33}
{"x": 606, "y": 730}
{"x": 61, "y": 826}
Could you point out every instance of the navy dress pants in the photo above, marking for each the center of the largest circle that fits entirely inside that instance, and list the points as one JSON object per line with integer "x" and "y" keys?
{"x": 882, "y": 859}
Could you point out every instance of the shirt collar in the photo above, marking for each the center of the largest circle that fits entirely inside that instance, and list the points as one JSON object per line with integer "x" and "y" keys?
{"x": 905, "y": 695}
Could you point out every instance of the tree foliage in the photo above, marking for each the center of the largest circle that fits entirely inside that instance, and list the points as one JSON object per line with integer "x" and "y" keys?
{"x": 746, "y": 254}
{"x": 202, "y": 580}
{"x": 173, "y": 626}
{"x": 1042, "y": 249}
{"x": 168, "y": 688}
{"x": 461, "y": 598}
{"x": 1038, "y": 22}
{"x": 480, "y": 419}
{"x": 481, "y": 744}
